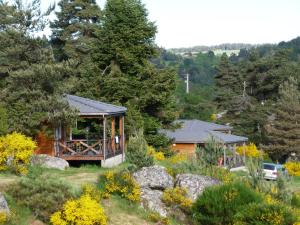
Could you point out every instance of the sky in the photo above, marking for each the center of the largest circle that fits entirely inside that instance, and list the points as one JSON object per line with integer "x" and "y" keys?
{"x": 187, "y": 23}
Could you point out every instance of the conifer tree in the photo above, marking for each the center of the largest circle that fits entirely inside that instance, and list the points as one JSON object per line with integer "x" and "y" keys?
{"x": 228, "y": 83}
{"x": 126, "y": 46}
{"x": 284, "y": 131}
{"x": 74, "y": 30}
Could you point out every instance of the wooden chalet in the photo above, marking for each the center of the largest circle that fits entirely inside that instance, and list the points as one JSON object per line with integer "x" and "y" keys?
{"x": 97, "y": 135}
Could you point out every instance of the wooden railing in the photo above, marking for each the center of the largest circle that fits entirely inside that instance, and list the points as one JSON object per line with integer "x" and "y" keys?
{"x": 89, "y": 148}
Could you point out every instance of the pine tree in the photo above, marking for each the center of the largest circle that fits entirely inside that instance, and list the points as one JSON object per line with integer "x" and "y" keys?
{"x": 126, "y": 46}
{"x": 284, "y": 132}
{"x": 74, "y": 30}
{"x": 228, "y": 83}
{"x": 127, "y": 36}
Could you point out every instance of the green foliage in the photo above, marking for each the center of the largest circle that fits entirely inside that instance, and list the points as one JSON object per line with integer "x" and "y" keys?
{"x": 219, "y": 204}
{"x": 265, "y": 214}
{"x": 43, "y": 196}
{"x": 3, "y": 120}
{"x": 211, "y": 153}
{"x": 281, "y": 132}
{"x": 136, "y": 152}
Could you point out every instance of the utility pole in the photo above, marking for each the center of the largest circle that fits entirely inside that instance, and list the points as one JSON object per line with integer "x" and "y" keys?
{"x": 187, "y": 83}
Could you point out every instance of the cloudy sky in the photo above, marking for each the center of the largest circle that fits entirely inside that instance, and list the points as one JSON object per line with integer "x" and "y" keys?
{"x": 186, "y": 23}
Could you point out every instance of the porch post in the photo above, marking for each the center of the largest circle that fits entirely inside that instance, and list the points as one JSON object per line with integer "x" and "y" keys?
{"x": 122, "y": 134}
{"x": 224, "y": 151}
{"x": 234, "y": 154}
{"x": 104, "y": 138}
{"x": 244, "y": 152}
{"x": 113, "y": 134}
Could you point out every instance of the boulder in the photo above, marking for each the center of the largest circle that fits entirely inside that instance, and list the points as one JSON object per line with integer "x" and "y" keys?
{"x": 3, "y": 205}
{"x": 152, "y": 200}
{"x": 194, "y": 184}
{"x": 49, "y": 162}
{"x": 154, "y": 177}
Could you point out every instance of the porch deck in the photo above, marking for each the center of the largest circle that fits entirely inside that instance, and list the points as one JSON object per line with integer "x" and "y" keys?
{"x": 88, "y": 149}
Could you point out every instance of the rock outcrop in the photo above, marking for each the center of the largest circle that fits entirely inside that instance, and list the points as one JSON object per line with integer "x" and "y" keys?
{"x": 3, "y": 205}
{"x": 153, "y": 180}
{"x": 49, "y": 162}
{"x": 194, "y": 184}
{"x": 154, "y": 177}
{"x": 152, "y": 200}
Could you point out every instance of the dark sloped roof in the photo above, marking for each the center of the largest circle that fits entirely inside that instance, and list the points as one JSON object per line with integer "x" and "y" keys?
{"x": 196, "y": 125}
{"x": 196, "y": 131}
{"x": 88, "y": 107}
{"x": 227, "y": 138}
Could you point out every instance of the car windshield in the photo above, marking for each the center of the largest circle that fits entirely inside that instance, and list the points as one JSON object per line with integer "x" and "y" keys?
{"x": 269, "y": 167}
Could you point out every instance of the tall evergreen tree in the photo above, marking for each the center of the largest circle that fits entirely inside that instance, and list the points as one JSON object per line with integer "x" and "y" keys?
{"x": 74, "y": 38}
{"x": 284, "y": 131}
{"x": 32, "y": 82}
{"x": 74, "y": 30}
{"x": 126, "y": 46}
{"x": 228, "y": 83}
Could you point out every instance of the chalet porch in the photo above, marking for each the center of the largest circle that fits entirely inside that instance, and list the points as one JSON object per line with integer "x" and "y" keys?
{"x": 97, "y": 135}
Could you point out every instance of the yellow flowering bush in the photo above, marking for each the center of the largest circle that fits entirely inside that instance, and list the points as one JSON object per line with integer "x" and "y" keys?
{"x": 177, "y": 158}
{"x": 250, "y": 151}
{"x": 213, "y": 117}
{"x": 158, "y": 219}
{"x": 177, "y": 197}
{"x": 91, "y": 190}
{"x": 159, "y": 156}
{"x": 82, "y": 211}
{"x": 3, "y": 217}
{"x": 17, "y": 149}
{"x": 293, "y": 168}
{"x": 120, "y": 183}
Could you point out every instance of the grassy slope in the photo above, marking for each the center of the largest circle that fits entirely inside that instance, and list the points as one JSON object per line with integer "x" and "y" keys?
{"x": 118, "y": 210}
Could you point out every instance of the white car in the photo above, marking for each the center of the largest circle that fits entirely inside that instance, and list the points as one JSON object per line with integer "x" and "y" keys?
{"x": 272, "y": 170}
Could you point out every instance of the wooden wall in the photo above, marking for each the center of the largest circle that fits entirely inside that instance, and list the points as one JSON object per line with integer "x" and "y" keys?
{"x": 45, "y": 145}
{"x": 187, "y": 148}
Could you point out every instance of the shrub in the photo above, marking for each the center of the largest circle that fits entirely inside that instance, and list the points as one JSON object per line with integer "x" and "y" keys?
{"x": 293, "y": 168}
{"x": 219, "y": 204}
{"x": 177, "y": 198}
{"x": 15, "y": 152}
{"x": 211, "y": 153}
{"x": 3, "y": 217}
{"x": 159, "y": 156}
{"x": 265, "y": 214}
{"x": 121, "y": 183}
{"x": 158, "y": 219}
{"x": 42, "y": 196}
{"x": 250, "y": 151}
{"x": 295, "y": 201}
{"x": 91, "y": 190}
{"x": 137, "y": 151}
{"x": 84, "y": 210}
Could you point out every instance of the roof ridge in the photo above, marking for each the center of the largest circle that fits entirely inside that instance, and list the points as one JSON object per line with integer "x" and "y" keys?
{"x": 80, "y": 100}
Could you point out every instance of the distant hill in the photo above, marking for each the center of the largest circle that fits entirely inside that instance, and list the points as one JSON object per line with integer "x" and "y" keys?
{"x": 217, "y": 49}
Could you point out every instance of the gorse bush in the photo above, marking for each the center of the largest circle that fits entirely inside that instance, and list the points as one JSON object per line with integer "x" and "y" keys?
{"x": 265, "y": 214}
{"x": 93, "y": 191}
{"x": 121, "y": 183}
{"x": 82, "y": 211}
{"x": 137, "y": 151}
{"x": 43, "y": 196}
{"x": 3, "y": 217}
{"x": 177, "y": 198}
{"x": 15, "y": 152}
{"x": 159, "y": 156}
{"x": 219, "y": 204}
{"x": 250, "y": 151}
{"x": 293, "y": 168}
